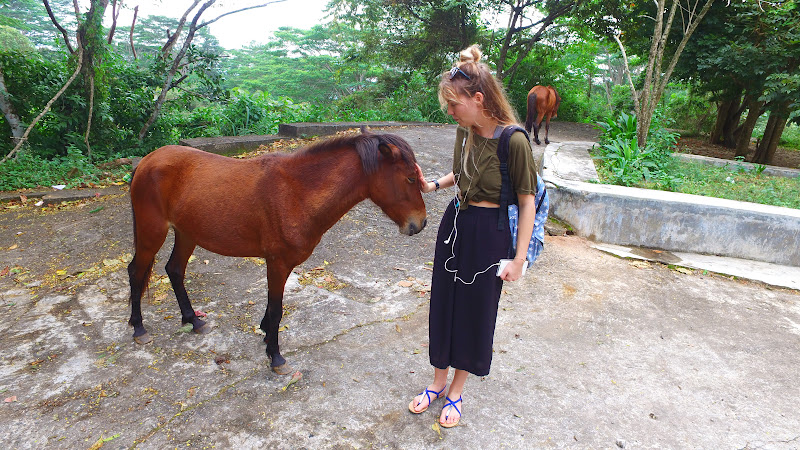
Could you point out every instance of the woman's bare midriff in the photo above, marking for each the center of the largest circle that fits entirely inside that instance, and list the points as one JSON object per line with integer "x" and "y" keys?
{"x": 484, "y": 204}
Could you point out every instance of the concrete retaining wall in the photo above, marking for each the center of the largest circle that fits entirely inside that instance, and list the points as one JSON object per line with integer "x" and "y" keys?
{"x": 672, "y": 221}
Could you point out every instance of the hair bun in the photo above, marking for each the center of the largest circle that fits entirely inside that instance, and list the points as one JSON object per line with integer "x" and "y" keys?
{"x": 471, "y": 54}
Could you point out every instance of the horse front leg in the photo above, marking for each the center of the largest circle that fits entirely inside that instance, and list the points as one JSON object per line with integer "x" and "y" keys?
{"x": 276, "y": 281}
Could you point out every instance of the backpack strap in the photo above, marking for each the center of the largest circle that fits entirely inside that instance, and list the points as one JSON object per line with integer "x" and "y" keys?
{"x": 507, "y": 194}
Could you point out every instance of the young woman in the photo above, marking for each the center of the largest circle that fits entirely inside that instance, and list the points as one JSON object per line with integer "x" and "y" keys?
{"x": 466, "y": 286}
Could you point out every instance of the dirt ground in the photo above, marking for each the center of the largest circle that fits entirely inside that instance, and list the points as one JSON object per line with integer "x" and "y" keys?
{"x": 784, "y": 157}
{"x": 591, "y": 351}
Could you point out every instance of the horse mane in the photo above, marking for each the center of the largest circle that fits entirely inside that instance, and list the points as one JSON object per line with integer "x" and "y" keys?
{"x": 367, "y": 145}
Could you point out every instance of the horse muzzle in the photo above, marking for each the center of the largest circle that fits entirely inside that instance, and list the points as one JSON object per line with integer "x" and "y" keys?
{"x": 413, "y": 227}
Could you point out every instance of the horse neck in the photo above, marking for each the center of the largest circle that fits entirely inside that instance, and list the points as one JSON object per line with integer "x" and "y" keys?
{"x": 336, "y": 182}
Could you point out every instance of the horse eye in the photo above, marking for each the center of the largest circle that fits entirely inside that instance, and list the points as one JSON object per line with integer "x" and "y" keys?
{"x": 411, "y": 180}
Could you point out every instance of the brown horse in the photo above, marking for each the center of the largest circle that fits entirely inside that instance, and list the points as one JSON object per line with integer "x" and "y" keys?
{"x": 275, "y": 207}
{"x": 542, "y": 102}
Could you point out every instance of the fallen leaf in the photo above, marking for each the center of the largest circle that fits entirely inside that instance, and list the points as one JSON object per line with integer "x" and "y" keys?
{"x": 684, "y": 270}
{"x": 639, "y": 264}
{"x": 5, "y": 271}
{"x": 39, "y": 203}
{"x": 297, "y": 376}
{"x": 11, "y": 399}
{"x": 405, "y": 283}
{"x": 13, "y": 247}
{"x": 283, "y": 328}
{"x": 61, "y": 273}
{"x": 192, "y": 258}
{"x": 397, "y": 327}
{"x": 24, "y": 199}
{"x": 199, "y": 313}
{"x": 435, "y": 427}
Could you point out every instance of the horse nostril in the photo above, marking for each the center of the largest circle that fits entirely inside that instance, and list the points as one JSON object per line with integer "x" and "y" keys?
{"x": 424, "y": 222}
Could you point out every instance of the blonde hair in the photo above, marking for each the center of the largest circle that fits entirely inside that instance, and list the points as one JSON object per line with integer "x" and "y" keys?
{"x": 495, "y": 103}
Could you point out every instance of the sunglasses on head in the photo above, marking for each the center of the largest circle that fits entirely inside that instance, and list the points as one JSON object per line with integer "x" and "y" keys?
{"x": 456, "y": 71}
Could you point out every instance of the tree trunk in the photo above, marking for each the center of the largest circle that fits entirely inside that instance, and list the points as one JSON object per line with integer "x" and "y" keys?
{"x": 162, "y": 97}
{"x": 772, "y": 135}
{"x": 8, "y": 111}
{"x": 732, "y": 123}
{"x": 723, "y": 111}
{"x": 743, "y": 140}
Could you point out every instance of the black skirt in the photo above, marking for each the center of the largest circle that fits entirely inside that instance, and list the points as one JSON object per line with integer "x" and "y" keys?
{"x": 463, "y": 312}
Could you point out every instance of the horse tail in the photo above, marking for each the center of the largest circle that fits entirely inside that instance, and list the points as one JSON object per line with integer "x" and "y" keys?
{"x": 131, "y": 267}
{"x": 531, "y": 117}
{"x": 558, "y": 102}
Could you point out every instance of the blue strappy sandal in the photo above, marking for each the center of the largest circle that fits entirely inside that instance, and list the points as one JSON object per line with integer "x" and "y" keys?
{"x": 427, "y": 393}
{"x": 453, "y": 404}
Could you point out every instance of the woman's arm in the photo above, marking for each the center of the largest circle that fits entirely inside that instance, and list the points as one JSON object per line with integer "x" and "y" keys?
{"x": 527, "y": 215}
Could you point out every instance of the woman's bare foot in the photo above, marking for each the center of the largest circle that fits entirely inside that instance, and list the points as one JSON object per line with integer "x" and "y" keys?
{"x": 421, "y": 402}
{"x": 451, "y": 413}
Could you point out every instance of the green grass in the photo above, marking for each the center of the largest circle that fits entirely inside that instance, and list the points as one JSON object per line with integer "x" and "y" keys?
{"x": 791, "y": 137}
{"x": 724, "y": 182}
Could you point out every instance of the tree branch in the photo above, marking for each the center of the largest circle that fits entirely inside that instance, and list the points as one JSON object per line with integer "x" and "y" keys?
{"x": 130, "y": 36}
{"x": 58, "y": 25}
{"x": 114, "y": 16}
{"x": 628, "y": 72}
{"x": 238, "y": 10}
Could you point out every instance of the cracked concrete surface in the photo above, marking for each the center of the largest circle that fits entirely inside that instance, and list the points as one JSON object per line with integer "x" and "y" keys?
{"x": 591, "y": 351}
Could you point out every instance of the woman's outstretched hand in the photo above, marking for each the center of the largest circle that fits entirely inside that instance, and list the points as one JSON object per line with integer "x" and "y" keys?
{"x": 424, "y": 185}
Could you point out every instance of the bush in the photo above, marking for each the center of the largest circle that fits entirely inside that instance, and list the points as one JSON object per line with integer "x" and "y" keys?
{"x": 29, "y": 170}
{"x": 623, "y": 162}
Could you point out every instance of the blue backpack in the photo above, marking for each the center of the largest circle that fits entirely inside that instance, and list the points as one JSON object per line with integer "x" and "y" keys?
{"x": 509, "y": 211}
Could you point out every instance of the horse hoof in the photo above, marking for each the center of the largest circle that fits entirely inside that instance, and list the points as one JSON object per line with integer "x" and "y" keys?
{"x": 143, "y": 339}
{"x": 283, "y": 369}
{"x": 205, "y": 329}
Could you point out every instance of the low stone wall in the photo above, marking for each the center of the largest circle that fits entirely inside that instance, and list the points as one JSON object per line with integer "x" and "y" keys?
{"x": 666, "y": 220}
{"x": 229, "y": 145}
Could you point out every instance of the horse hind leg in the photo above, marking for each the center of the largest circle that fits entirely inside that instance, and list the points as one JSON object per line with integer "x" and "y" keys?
{"x": 147, "y": 241}
{"x": 537, "y": 123}
{"x": 176, "y": 271}
{"x": 547, "y": 131}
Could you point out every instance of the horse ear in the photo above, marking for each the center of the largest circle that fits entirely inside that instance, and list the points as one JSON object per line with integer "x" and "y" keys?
{"x": 389, "y": 152}
{"x": 365, "y": 130}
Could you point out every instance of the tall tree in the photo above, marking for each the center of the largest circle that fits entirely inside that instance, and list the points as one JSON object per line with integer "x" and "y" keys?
{"x": 739, "y": 47}
{"x": 690, "y": 13}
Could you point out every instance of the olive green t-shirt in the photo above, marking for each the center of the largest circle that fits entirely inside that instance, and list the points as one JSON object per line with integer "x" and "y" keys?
{"x": 481, "y": 180}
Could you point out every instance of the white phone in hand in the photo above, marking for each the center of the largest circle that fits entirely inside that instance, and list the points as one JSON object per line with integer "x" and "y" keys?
{"x": 504, "y": 262}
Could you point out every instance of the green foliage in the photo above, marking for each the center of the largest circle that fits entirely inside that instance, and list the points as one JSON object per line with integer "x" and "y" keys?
{"x": 12, "y": 39}
{"x": 791, "y": 136}
{"x": 689, "y": 110}
{"x": 243, "y": 114}
{"x": 29, "y": 170}
{"x": 623, "y": 127}
{"x": 624, "y": 162}
{"x": 730, "y": 183}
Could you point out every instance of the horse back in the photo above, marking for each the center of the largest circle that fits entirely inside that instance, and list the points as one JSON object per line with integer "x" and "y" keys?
{"x": 204, "y": 195}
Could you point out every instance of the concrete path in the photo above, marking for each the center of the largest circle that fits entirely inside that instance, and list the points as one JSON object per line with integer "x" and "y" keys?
{"x": 591, "y": 350}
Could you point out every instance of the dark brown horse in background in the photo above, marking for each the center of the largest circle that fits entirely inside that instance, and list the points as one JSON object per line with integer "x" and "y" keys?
{"x": 543, "y": 103}
{"x": 275, "y": 207}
